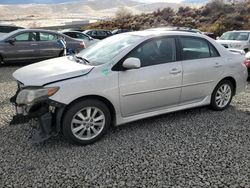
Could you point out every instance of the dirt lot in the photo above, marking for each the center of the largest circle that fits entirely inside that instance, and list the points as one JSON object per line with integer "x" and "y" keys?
{"x": 192, "y": 148}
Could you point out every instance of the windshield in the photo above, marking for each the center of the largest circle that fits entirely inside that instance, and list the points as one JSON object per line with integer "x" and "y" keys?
{"x": 105, "y": 50}
{"x": 242, "y": 36}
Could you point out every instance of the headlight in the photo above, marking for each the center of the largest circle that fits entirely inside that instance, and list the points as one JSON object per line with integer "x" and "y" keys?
{"x": 27, "y": 96}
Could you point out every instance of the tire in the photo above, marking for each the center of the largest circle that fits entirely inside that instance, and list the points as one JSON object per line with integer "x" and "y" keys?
{"x": 222, "y": 95}
{"x": 1, "y": 61}
{"x": 86, "y": 121}
{"x": 61, "y": 54}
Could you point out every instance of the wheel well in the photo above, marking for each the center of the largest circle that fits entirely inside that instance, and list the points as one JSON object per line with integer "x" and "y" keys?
{"x": 246, "y": 50}
{"x": 96, "y": 97}
{"x": 232, "y": 80}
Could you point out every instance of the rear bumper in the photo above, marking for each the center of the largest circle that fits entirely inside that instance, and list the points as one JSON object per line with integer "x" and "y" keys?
{"x": 242, "y": 81}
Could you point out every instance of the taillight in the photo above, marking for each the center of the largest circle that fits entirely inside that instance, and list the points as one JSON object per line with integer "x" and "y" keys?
{"x": 247, "y": 63}
{"x": 82, "y": 44}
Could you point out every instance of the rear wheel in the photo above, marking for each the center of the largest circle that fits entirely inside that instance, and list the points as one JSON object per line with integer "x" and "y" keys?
{"x": 222, "y": 95}
{"x": 1, "y": 60}
{"x": 86, "y": 121}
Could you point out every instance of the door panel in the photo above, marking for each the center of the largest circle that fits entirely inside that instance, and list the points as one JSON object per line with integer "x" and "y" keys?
{"x": 199, "y": 77}
{"x": 24, "y": 48}
{"x": 48, "y": 45}
{"x": 202, "y": 67}
{"x": 157, "y": 84}
{"x": 149, "y": 88}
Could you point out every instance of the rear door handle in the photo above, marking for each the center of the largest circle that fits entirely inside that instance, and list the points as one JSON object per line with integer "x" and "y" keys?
{"x": 217, "y": 65}
{"x": 175, "y": 71}
{"x": 33, "y": 44}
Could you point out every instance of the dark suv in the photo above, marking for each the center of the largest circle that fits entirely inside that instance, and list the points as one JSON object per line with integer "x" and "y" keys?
{"x": 8, "y": 28}
{"x": 98, "y": 34}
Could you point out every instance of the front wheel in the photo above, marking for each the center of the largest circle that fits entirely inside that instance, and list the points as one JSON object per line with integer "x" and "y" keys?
{"x": 222, "y": 95}
{"x": 86, "y": 121}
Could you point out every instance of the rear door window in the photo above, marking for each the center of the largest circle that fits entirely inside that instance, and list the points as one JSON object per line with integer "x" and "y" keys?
{"x": 48, "y": 36}
{"x": 196, "y": 48}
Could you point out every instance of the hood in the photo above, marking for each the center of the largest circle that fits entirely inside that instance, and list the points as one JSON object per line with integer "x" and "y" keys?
{"x": 51, "y": 70}
{"x": 231, "y": 41}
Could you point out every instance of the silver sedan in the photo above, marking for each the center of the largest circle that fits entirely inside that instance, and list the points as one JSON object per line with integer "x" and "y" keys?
{"x": 128, "y": 77}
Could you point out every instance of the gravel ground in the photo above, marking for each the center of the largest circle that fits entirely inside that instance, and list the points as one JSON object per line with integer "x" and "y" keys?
{"x": 192, "y": 148}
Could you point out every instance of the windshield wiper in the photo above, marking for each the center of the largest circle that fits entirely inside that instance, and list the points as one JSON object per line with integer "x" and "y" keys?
{"x": 83, "y": 59}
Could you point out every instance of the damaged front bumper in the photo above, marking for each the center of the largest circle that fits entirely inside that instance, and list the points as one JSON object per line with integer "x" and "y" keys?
{"x": 47, "y": 112}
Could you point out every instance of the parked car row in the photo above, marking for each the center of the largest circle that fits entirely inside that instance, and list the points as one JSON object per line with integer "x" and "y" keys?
{"x": 31, "y": 45}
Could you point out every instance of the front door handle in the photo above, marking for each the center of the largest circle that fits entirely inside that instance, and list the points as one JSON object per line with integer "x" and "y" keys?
{"x": 33, "y": 44}
{"x": 217, "y": 65}
{"x": 175, "y": 71}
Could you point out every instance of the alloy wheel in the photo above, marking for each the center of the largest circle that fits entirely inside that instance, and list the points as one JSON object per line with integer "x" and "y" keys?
{"x": 223, "y": 95}
{"x": 88, "y": 123}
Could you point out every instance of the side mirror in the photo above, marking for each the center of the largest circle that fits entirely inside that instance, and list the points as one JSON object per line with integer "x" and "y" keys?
{"x": 11, "y": 40}
{"x": 217, "y": 38}
{"x": 132, "y": 63}
{"x": 90, "y": 38}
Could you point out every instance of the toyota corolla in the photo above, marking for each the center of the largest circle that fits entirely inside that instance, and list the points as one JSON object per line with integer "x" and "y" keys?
{"x": 125, "y": 78}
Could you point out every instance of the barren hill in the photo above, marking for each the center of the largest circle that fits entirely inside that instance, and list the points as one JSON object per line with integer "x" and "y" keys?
{"x": 35, "y": 15}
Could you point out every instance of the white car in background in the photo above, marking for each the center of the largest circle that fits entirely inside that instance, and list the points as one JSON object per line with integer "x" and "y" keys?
{"x": 235, "y": 39}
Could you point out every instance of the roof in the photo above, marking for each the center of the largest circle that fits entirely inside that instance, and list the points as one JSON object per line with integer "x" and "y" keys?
{"x": 7, "y": 35}
{"x": 187, "y": 29}
{"x": 151, "y": 33}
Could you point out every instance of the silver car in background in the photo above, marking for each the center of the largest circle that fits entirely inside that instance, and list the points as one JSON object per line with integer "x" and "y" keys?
{"x": 88, "y": 40}
{"x": 125, "y": 78}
